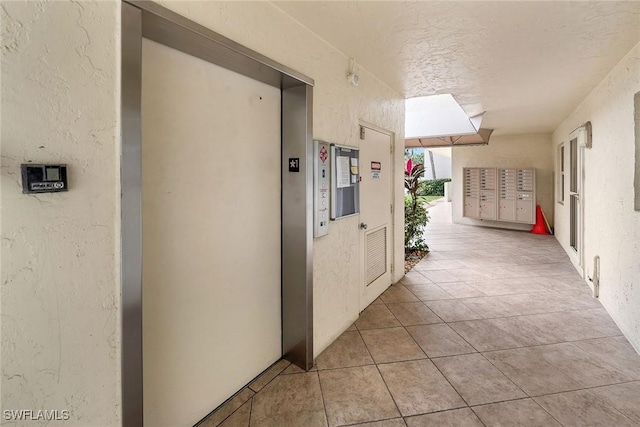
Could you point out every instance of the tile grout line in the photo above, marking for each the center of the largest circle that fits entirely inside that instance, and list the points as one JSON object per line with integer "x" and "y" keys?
{"x": 379, "y": 373}
{"x": 367, "y": 347}
{"x": 552, "y": 343}
{"x": 478, "y": 417}
{"x": 451, "y": 385}
{"x": 513, "y": 400}
{"x": 369, "y": 422}
{"x": 505, "y": 375}
{"x": 545, "y": 410}
{"x": 438, "y": 369}
{"x": 525, "y": 315}
{"x": 420, "y": 270}
{"x": 502, "y": 295}
{"x": 534, "y": 397}
{"x": 384, "y": 327}
{"x": 522, "y": 315}
{"x": 324, "y": 403}
{"x": 376, "y": 363}
{"x": 598, "y": 398}
{"x": 411, "y": 336}
{"x": 463, "y": 339}
{"x": 393, "y": 399}
{"x": 583, "y": 388}
{"x": 250, "y": 410}
{"x": 488, "y": 403}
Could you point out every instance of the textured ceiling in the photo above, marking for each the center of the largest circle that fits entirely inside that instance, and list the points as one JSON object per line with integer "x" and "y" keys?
{"x": 528, "y": 64}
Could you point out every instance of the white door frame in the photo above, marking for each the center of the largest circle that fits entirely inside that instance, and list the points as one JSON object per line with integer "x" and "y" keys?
{"x": 577, "y": 253}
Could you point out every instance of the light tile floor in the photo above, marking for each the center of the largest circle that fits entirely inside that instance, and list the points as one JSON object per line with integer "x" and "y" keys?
{"x": 492, "y": 328}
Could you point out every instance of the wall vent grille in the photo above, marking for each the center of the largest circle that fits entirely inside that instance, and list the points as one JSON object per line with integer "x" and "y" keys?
{"x": 376, "y": 254}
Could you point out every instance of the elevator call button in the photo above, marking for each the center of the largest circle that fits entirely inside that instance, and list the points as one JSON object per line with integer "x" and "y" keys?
{"x": 43, "y": 178}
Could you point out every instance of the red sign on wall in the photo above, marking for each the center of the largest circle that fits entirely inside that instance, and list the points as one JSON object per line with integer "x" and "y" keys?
{"x": 323, "y": 154}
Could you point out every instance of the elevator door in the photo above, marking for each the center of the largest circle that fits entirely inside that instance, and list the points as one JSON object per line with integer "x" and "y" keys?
{"x": 211, "y": 233}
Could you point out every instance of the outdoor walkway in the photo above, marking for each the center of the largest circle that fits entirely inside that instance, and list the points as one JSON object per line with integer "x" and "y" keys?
{"x": 493, "y": 327}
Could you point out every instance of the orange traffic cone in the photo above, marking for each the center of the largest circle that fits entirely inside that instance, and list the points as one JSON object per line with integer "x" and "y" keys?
{"x": 539, "y": 227}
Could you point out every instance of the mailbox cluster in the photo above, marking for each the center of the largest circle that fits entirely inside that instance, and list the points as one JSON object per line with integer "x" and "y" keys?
{"x": 500, "y": 194}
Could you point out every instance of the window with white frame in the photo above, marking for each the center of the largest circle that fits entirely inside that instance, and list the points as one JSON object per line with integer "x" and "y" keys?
{"x": 560, "y": 175}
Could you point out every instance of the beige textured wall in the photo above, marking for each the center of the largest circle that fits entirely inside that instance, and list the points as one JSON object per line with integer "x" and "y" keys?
{"x": 60, "y": 293}
{"x": 506, "y": 151}
{"x": 612, "y": 226}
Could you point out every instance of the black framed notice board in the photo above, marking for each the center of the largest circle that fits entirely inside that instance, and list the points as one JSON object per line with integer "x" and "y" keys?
{"x": 345, "y": 181}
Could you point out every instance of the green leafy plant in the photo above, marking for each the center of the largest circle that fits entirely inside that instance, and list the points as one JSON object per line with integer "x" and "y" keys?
{"x": 432, "y": 187}
{"x": 414, "y": 222}
{"x": 415, "y": 215}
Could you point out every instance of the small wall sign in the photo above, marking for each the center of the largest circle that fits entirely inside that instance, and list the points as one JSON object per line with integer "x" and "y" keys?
{"x": 294, "y": 164}
{"x": 376, "y": 170}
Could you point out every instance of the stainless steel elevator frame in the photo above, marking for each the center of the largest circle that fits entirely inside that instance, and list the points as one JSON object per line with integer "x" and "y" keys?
{"x": 148, "y": 19}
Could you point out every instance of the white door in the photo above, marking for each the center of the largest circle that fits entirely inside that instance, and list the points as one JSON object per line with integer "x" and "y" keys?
{"x": 576, "y": 196}
{"x": 376, "y": 170}
{"x": 210, "y": 232}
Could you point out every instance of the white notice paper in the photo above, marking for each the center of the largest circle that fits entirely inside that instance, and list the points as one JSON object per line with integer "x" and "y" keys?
{"x": 342, "y": 169}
